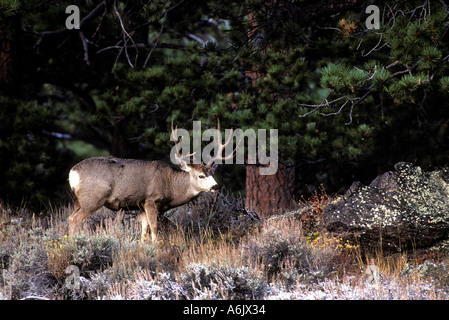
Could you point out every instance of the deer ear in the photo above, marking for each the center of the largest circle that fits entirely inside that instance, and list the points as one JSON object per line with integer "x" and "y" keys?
{"x": 182, "y": 163}
{"x": 184, "y": 166}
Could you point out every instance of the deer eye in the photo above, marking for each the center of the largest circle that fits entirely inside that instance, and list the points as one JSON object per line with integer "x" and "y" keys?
{"x": 202, "y": 176}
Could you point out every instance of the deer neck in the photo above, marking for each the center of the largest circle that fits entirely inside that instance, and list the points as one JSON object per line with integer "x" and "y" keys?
{"x": 182, "y": 188}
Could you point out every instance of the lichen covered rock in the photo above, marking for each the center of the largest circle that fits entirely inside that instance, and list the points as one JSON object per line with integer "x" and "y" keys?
{"x": 402, "y": 209}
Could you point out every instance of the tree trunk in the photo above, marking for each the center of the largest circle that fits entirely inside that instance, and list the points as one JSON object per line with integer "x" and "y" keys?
{"x": 269, "y": 194}
{"x": 121, "y": 145}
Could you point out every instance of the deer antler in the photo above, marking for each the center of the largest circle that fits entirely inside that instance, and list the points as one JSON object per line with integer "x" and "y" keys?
{"x": 221, "y": 147}
{"x": 179, "y": 157}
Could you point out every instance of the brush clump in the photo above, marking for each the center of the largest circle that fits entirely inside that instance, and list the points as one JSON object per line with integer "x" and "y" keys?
{"x": 288, "y": 256}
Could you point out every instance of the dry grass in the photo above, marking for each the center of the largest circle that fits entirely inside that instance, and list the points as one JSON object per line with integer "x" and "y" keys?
{"x": 275, "y": 259}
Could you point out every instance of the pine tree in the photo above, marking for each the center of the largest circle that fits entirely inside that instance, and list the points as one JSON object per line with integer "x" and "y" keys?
{"x": 347, "y": 101}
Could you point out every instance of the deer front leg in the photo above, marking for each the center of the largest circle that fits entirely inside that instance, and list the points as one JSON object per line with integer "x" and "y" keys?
{"x": 150, "y": 218}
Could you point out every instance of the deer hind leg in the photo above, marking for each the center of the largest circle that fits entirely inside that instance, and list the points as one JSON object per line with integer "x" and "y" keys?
{"x": 149, "y": 218}
{"x": 83, "y": 210}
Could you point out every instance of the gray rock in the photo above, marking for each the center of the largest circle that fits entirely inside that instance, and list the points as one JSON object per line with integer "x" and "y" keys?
{"x": 401, "y": 209}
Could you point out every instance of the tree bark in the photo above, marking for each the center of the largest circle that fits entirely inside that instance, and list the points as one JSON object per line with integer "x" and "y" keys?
{"x": 120, "y": 146}
{"x": 269, "y": 194}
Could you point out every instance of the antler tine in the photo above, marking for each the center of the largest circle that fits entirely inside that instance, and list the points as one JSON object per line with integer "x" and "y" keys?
{"x": 221, "y": 147}
{"x": 229, "y": 156}
{"x": 174, "y": 133}
{"x": 218, "y": 126}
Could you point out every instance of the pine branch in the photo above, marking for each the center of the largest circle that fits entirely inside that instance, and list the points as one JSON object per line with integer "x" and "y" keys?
{"x": 164, "y": 20}
{"x": 86, "y": 49}
{"x": 354, "y": 103}
{"x": 93, "y": 14}
{"x": 408, "y": 70}
{"x": 142, "y": 45}
{"x": 324, "y": 103}
{"x": 124, "y": 39}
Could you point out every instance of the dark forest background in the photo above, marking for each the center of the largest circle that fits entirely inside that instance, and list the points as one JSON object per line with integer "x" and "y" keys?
{"x": 349, "y": 102}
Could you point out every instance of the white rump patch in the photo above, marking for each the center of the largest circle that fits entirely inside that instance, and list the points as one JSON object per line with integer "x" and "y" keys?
{"x": 74, "y": 179}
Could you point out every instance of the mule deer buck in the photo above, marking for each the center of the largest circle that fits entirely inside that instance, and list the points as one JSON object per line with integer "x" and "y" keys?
{"x": 151, "y": 186}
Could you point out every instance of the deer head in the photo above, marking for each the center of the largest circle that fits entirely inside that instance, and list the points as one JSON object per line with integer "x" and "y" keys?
{"x": 201, "y": 174}
{"x": 201, "y": 178}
